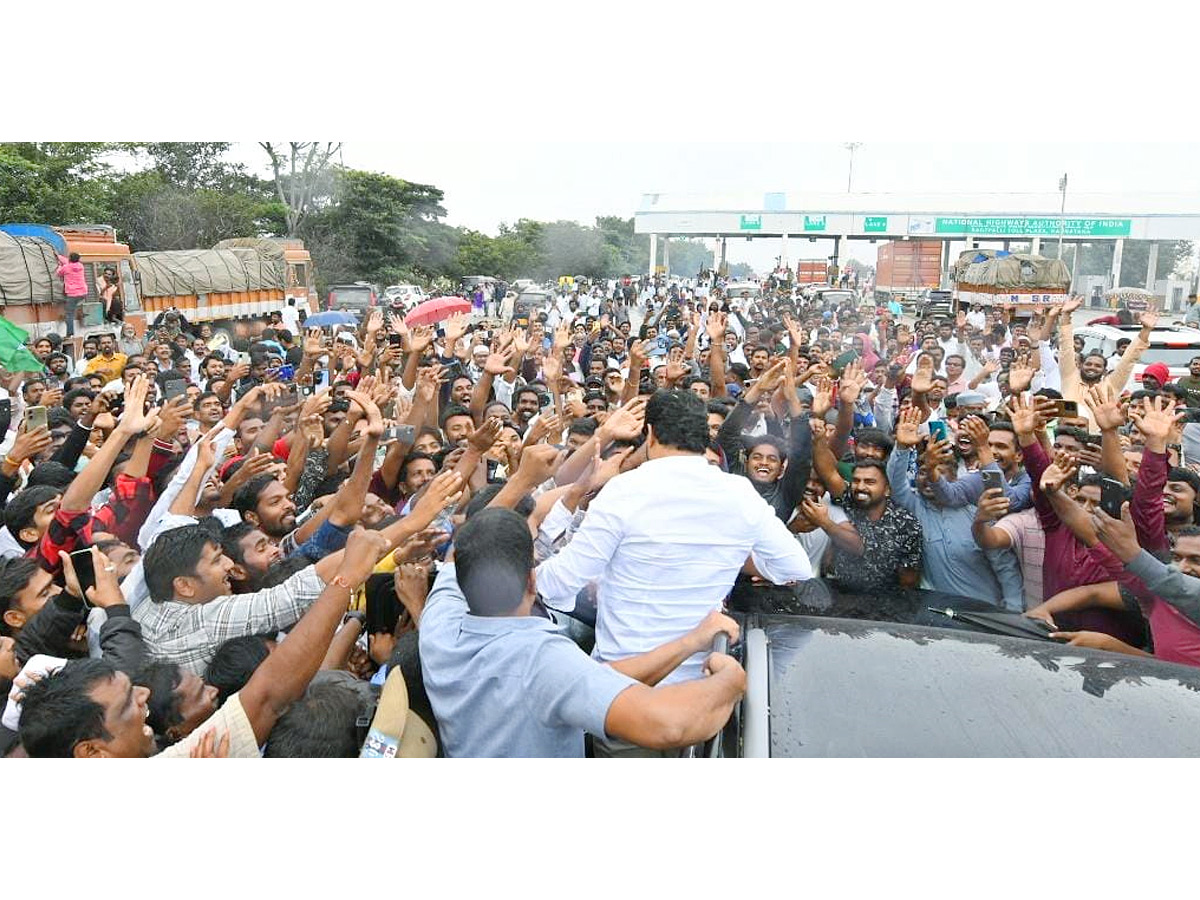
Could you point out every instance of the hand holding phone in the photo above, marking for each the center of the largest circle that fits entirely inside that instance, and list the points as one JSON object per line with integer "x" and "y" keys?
{"x": 35, "y": 417}
{"x": 1112, "y": 495}
{"x": 992, "y": 479}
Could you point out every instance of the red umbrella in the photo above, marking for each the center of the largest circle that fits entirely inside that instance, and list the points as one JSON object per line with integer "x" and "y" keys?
{"x": 436, "y": 309}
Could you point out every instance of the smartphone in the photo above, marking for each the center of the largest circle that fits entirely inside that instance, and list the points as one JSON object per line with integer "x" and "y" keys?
{"x": 243, "y": 359}
{"x": 35, "y": 417}
{"x": 992, "y": 479}
{"x": 396, "y": 340}
{"x": 938, "y": 430}
{"x": 1112, "y": 495}
{"x": 840, "y": 362}
{"x": 5, "y": 414}
{"x": 1190, "y": 415}
{"x": 176, "y": 387}
{"x": 85, "y": 571}
{"x": 1067, "y": 408}
{"x": 286, "y": 372}
{"x": 405, "y": 434}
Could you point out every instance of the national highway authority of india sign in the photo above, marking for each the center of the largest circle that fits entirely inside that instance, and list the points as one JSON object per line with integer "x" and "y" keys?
{"x": 1023, "y": 226}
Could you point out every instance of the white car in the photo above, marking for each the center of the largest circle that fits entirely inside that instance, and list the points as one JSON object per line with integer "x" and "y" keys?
{"x": 1174, "y": 346}
{"x": 407, "y": 294}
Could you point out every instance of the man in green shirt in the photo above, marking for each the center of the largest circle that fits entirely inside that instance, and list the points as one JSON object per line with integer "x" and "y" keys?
{"x": 1191, "y": 384}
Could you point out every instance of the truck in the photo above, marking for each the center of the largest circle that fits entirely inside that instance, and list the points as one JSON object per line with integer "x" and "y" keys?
{"x": 907, "y": 270}
{"x": 812, "y": 271}
{"x": 237, "y": 279}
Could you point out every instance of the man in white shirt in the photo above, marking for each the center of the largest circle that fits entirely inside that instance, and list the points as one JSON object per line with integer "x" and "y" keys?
{"x": 291, "y": 316}
{"x": 665, "y": 542}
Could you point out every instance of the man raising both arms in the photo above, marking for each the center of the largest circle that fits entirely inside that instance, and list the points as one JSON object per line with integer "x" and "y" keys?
{"x": 664, "y": 544}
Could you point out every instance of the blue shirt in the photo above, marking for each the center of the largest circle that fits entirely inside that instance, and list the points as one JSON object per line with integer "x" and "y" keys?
{"x": 951, "y": 560}
{"x": 504, "y": 686}
{"x": 969, "y": 488}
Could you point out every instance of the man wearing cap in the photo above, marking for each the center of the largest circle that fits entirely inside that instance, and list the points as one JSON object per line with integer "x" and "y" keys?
{"x": 1155, "y": 376}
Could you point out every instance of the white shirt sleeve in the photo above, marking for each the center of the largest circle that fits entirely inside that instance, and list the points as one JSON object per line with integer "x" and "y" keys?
{"x": 777, "y": 554}
{"x": 586, "y": 558}
{"x": 158, "y": 514}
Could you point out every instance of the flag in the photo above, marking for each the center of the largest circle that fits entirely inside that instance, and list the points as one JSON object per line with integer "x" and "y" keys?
{"x": 14, "y": 355}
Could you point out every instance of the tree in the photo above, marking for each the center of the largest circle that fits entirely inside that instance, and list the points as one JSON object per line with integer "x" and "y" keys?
{"x": 739, "y": 271}
{"x": 55, "y": 183}
{"x": 302, "y": 177}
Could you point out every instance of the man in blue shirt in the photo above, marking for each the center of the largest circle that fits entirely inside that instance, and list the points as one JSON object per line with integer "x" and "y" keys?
{"x": 504, "y": 681}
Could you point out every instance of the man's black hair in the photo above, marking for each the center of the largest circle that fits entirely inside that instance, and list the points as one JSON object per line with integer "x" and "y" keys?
{"x": 493, "y": 556}
{"x": 15, "y": 572}
{"x": 21, "y": 508}
{"x": 455, "y": 410}
{"x": 71, "y": 396}
{"x": 281, "y": 571}
{"x": 162, "y": 679}
{"x": 871, "y": 464}
{"x": 586, "y": 427}
{"x": 1188, "y": 531}
{"x": 1001, "y": 425}
{"x": 679, "y": 420}
{"x": 722, "y": 406}
{"x": 1192, "y": 480}
{"x": 750, "y": 442}
{"x": 32, "y": 380}
{"x": 874, "y": 437}
{"x": 1094, "y": 479}
{"x": 234, "y": 662}
{"x": 245, "y": 498}
{"x": 1071, "y": 431}
{"x": 51, "y": 473}
{"x": 524, "y": 389}
{"x": 320, "y": 725}
{"x": 413, "y": 456}
{"x": 58, "y": 711}
{"x": 231, "y": 540}
{"x": 175, "y": 553}
{"x": 1048, "y": 392}
{"x": 57, "y": 416}
{"x": 486, "y": 495}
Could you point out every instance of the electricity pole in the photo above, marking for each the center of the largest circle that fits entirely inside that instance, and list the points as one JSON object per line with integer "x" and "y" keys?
{"x": 852, "y": 146}
{"x": 1062, "y": 186}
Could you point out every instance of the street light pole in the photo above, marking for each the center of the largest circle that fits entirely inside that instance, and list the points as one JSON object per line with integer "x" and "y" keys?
{"x": 852, "y": 146}
{"x": 1062, "y": 186}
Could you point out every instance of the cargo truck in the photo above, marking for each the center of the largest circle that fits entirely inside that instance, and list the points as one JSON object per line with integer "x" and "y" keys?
{"x": 907, "y": 270}
{"x": 812, "y": 271}
{"x": 237, "y": 279}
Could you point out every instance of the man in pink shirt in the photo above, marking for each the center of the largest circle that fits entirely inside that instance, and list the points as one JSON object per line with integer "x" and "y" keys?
{"x": 70, "y": 270}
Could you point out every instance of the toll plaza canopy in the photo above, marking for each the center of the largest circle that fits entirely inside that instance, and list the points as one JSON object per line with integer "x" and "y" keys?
{"x": 1155, "y": 217}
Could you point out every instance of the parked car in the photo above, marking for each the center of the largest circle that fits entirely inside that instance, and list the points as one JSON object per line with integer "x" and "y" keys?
{"x": 1172, "y": 345}
{"x": 405, "y": 295}
{"x": 351, "y": 297}
{"x": 886, "y": 676}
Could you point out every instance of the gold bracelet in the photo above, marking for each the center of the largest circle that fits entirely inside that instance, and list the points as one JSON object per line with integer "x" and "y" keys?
{"x": 9, "y": 461}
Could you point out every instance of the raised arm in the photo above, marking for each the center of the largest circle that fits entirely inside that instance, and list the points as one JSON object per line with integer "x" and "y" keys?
{"x": 1139, "y": 345}
{"x": 284, "y": 675}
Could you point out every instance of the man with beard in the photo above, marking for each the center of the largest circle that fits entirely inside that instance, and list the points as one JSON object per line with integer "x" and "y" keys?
{"x": 90, "y": 350}
{"x": 58, "y": 368}
{"x": 527, "y": 403}
{"x": 1092, "y": 371}
{"x": 890, "y": 536}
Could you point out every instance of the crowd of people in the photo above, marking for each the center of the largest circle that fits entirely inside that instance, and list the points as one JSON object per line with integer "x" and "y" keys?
{"x": 469, "y": 540}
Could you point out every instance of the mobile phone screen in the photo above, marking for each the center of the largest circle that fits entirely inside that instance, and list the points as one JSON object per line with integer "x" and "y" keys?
{"x": 938, "y": 430}
{"x": 85, "y": 571}
{"x": 1112, "y": 495}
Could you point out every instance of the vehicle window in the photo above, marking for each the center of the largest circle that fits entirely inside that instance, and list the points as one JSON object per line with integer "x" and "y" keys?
{"x": 297, "y": 276}
{"x": 1171, "y": 356}
{"x": 848, "y": 688}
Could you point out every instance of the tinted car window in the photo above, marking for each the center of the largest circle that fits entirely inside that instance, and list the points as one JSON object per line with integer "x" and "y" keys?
{"x": 850, "y": 688}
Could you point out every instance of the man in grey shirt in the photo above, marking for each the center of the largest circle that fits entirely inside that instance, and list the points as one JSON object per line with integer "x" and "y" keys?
{"x": 504, "y": 681}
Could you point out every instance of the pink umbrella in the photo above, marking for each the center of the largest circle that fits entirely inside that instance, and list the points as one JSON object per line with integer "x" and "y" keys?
{"x": 436, "y": 309}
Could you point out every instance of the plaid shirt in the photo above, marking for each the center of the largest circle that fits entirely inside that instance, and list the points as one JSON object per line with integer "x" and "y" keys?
{"x": 190, "y": 633}
{"x": 122, "y": 515}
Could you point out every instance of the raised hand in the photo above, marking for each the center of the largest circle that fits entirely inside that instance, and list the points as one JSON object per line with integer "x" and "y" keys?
{"x": 552, "y": 368}
{"x": 1058, "y": 473}
{"x": 455, "y": 327}
{"x": 907, "y": 425}
{"x": 314, "y": 342}
{"x": 922, "y": 380}
{"x": 562, "y": 337}
{"x": 1020, "y": 374}
{"x": 445, "y": 489}
{"x": 420, "y": 339}
{"x": 716, "y": 325}
{"x": 374, "y": 321}
{"x": 992, "y": 505}
{"x": 539, "y": 463}
{"x": 816, "y": 512}
{"x": 937, "y": 454}
{"x": 498, "y": 363}
{"x": 1021, "y": 414}
{"x": 520, "y": 342}
{"x": 626, "y": 422}
{"x": 977, "y": 430}
{"x": 371, "y": 410}
{"x": 29, "y": 444}
{"x": 483, "y": 437}
{"x": 1071, "y": 305}
{"x": 851, "y": 383}
{"x": 1155, "y": 417}
{"x": 822, "y": 397}
{"x": 1148, "y": 319}
{"x": 134, "y": 418}
{"x": 1102, "y": 400}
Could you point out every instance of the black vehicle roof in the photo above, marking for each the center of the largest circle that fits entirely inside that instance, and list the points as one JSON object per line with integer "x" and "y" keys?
{"x": 846, "y": 687}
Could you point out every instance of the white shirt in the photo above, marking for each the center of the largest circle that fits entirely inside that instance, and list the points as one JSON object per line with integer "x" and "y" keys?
{"x": 664, "y": 544}
{"x": 291, "y": 319}
{"x": 817, "y": 541}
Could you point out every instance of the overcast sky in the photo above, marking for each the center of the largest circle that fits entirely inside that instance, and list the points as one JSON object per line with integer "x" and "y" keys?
{"x": 489, "y": 182}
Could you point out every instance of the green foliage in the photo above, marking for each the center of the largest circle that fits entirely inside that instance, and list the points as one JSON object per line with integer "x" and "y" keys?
{"x": 55, "y": 183}
{"x": 741, "y": 271}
